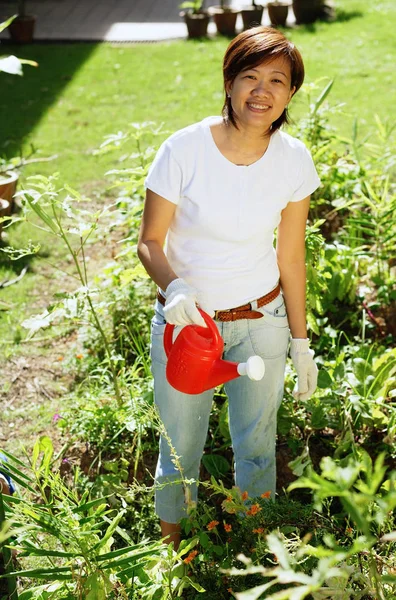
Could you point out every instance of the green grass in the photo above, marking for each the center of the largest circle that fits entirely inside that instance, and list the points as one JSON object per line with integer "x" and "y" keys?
{"x": 82, "y": 92}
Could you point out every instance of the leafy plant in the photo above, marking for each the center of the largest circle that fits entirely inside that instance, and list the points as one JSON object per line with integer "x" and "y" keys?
{"x": 72, "y": 536}
{"x": 194, "y": 5}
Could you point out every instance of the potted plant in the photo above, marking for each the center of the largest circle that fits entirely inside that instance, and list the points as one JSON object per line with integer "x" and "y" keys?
{"x": 22, "y": 27}
{"x": 252, "y": 15}
{"x": 277, "y": 12}
{"x": 308, "y": 11}
{"x": 225, "y": 18}
{"x": 9, "y": 176}
{"x": 195, "y": 17}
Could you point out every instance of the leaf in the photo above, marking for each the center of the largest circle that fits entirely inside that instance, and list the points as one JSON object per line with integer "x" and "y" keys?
{"x": 339, "y": 372}
{"x": 203, "y": 539}
{"x": 318, "y": 418}
{"x": 194, "y": 584}
{"x": 110, "y": 530}
{"x": 216, "y": 464}
{"x": 11, "y": 64}
{"x": 5, "y": 24}
{"x": 254, "y": 593}
{"x": 324, "y": 379}
{"x": 323, "y": 96}
{"x": 44, "y": 445}
{"x": 312, "y": 323}
{"x": 299, "y": 464}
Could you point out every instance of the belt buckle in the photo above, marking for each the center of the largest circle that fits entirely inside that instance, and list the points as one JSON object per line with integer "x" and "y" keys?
{"x": 216, "y": 314}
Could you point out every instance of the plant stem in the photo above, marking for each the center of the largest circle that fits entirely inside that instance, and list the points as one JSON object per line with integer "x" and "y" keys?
{"x": 84, "y": 281}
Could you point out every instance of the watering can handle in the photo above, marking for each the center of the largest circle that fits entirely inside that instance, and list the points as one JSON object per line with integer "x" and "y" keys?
{"x": 168, "y": 334}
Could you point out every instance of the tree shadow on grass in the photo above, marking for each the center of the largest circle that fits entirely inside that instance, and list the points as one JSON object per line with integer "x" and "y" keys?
{"x": 341, "y": 16}
{"x": 25, "y": 100}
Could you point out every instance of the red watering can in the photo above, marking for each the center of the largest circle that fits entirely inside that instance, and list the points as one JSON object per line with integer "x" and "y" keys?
{"x": 194, "y": 359}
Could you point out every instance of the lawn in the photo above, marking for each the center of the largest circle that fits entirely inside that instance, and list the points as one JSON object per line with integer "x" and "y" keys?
{"x": 82, "y": 92}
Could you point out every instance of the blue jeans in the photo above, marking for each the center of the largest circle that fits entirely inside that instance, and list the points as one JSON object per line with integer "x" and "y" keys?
{"x": 253, "y": 407}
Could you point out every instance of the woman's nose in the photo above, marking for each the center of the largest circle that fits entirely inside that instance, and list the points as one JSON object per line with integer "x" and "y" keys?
{"x": 261, "y": 89}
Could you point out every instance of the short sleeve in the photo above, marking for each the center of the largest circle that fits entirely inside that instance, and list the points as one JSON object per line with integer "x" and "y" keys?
{"x": 165, "y": 175}
{"x": 308, "y": 177}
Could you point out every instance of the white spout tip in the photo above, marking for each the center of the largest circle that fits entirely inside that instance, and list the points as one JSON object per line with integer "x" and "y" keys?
{"x": 254, "y": 368}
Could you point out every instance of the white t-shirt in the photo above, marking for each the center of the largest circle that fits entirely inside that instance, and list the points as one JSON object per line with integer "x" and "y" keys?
{"x": 221, "y": 237}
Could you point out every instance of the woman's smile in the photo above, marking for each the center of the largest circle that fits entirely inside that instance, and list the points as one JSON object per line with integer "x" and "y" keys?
{"x": 255, "y": 107}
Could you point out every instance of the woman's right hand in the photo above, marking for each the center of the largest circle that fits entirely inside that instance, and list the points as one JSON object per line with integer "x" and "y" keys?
{"x": 181, "y": 305}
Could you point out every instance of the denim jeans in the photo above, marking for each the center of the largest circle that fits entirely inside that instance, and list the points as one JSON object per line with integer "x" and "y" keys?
{"x": 253, "y": 407}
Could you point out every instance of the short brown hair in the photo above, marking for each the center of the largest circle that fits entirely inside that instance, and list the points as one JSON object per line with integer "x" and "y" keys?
{"x": 252, "y": 48}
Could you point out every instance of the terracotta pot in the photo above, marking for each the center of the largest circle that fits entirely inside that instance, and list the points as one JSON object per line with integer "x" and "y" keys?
{"x": 307, "y": 11}
{"x": 22, "y": 29}
{"x": 225, "y": 20}
{"x": 251, "y": 16}
{"x": 4, "y": 211}
{"x": 278, "y": 14}
{"x": 197, "y": 23}
{"x": 8, "y": 183}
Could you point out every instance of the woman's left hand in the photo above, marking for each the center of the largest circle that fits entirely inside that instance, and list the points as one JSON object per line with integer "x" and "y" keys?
{"x": 304, "y": 364}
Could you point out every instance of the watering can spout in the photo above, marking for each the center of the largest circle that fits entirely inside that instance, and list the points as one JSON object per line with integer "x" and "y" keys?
{"x": 221, "y": 372}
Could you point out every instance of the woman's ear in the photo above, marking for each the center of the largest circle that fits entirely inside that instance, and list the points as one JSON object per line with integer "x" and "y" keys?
{"x": 292, "y": 92}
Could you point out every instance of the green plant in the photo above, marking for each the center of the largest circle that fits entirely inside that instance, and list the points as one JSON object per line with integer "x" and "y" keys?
{"x": 359, "y": 567}
{"x": 194, "y": 5}
{"x": 72, "y": 536}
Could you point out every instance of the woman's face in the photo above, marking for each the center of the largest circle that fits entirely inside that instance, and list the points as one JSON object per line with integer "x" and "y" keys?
{"x": 259, "y": 94}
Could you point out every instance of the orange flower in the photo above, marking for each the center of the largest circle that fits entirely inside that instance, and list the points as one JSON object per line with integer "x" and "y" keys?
{"x": 227, "y": 527}
{"x": 79, "y": 356}
{"x": 245, "y": 496}
{"x": 229, "y": 590}
{"x": 253, "y": 510}
{"x": 266, "y": 495}
{"x": 259, "y": 530}
{"x": 349, "y": 530}
{"x": 212, "y": 525}
{"x": 190, "y": 557}
{"x": 60, "y": 358}
{"x": 229, "y": 499}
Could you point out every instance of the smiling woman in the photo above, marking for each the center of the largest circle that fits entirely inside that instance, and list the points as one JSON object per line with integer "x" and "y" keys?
{"x": 216, "y": 192}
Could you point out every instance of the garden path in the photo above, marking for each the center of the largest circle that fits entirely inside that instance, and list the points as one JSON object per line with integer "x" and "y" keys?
{"x": 115, "y": 21}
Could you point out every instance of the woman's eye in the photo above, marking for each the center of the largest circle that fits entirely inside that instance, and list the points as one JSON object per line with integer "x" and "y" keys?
{"x": 250, "y": 77}
{"x": 277, "y": 81}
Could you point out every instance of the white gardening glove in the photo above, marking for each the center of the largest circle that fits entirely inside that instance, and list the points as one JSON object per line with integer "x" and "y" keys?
{"x": 306, "y": 369}
{"x": 180, "y": 306}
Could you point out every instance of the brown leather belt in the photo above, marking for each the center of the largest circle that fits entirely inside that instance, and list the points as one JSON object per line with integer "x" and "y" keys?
{"x": 240, "y": 312}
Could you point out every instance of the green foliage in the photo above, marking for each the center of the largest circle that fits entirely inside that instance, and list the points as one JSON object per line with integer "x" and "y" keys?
{"x": 194, "y": 5}
{"x": 71, "y": 536}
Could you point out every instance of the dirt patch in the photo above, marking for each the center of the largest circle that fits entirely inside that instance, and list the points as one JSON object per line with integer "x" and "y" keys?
{"x": 32, "y": 390}
{"x": 36, "y": 375}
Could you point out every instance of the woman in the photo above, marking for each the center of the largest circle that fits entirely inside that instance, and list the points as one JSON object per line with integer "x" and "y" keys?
{"x": 216, "y": 192}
